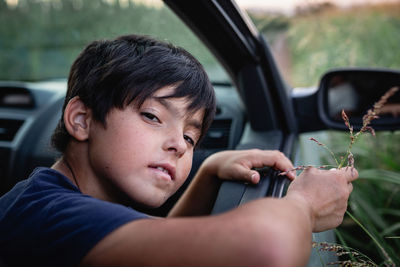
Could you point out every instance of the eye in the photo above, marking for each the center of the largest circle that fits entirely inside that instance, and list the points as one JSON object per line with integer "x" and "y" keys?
{"x": 189, "y": 140}
{"x": 150, "y": 116}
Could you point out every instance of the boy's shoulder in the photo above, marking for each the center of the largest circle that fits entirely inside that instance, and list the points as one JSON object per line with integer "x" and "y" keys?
{"x": 46, "y": 214}
{"x": 42, "y": 183}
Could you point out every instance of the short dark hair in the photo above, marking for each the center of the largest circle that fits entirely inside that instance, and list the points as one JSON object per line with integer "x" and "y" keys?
{"x": 113, "y": 73}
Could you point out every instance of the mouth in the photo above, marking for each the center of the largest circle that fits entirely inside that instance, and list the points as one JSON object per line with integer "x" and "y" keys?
{"x": 165, "y": 168}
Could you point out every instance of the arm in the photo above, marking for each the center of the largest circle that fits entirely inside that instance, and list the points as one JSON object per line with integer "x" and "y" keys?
{"x": 200, "y": 196}
{"x": 261, "y": 233}
{"x": 265, "y": 232}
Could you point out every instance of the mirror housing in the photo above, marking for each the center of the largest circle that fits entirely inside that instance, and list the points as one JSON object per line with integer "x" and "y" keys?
{"x": 355, "y": 91}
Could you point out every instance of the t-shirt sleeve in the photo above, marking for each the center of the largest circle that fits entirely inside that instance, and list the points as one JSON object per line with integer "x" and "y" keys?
{"x": 50, "y": 223}
{"x": 71, "y": 231}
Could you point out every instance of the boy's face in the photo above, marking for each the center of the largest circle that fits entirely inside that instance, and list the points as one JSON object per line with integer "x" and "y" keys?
{"x": 146, "y": 151}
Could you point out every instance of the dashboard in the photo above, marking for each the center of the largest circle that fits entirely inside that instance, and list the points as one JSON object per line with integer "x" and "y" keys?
{"x": 30, "y": 111}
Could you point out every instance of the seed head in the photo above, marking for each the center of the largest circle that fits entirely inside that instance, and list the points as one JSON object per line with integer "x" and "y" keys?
{"x": 373, "y": 113}
{"x": 316, "y": 141}
{"x": 370, "y": 130}
{"x": 350, "y": 160}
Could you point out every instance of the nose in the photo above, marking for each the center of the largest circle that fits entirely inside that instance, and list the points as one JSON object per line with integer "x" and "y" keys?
{"x": 176, "y": 144}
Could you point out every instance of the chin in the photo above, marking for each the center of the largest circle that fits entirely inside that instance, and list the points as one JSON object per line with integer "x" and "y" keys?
{"x": 152, "y": 202}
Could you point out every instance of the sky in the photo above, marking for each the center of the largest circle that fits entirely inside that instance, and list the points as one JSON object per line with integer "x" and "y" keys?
{"x": 287, "y": 6}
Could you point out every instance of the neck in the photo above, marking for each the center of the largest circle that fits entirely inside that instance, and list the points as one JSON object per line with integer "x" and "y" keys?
{"x": 72, "y": 172}
{"x": 75, "y": 165}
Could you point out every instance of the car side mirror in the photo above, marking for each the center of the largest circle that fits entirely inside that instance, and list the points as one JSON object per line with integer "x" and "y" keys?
{"x": 355, "y": 91}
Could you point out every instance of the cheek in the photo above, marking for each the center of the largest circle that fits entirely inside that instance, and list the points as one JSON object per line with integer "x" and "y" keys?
{"x": 185, "y": 167}
{"x": 116, "y": 152}
{"x": 128, "y": 144}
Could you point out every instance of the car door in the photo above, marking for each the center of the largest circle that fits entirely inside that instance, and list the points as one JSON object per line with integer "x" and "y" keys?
{"x": 247, "y": 58}
{"x": 272, "y": 123}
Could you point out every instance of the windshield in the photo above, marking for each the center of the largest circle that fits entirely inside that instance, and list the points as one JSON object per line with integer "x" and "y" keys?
{"x": 39, "y": 39}
{"x": 310, "y": 37}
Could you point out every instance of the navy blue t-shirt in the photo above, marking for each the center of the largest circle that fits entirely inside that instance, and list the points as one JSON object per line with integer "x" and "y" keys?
{"x": 46, "y": 221}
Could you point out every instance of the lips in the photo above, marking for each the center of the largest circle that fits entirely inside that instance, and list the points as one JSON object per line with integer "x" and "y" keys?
{"x": 165, "y": 168}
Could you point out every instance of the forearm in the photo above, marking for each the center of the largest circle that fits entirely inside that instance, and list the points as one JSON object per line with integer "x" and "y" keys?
{"x": 226, "y": 165}
{"x": 288, "y": 225}
{"x": 200, "y": 196}
{"x": 266, "y": 232}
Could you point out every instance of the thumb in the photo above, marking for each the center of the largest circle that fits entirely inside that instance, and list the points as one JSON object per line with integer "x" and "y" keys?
{"x": 244, "y": 173}
{"x": 255, "y": 177}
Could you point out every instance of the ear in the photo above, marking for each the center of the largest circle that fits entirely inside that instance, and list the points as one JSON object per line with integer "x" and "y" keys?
{"x": 77, "y": 119}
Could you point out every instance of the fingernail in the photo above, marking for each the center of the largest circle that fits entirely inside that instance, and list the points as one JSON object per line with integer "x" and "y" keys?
{"x": 254, "y": 178}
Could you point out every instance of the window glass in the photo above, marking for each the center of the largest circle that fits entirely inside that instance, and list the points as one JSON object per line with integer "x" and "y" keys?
{"x": 310, "y": 37}
{"x": 39, "y": 39}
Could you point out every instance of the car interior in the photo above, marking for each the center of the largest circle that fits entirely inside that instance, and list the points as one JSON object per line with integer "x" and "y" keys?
{"x": 255, "y": 109}
{"x": 29, "y": 112}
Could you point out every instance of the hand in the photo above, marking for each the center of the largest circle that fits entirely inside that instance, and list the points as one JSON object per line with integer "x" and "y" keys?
{"x": 326, "y": 193}
{"x": 238, "y": 164}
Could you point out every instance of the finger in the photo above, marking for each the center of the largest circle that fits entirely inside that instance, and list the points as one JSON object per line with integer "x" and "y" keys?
{"x": 291, "y": 174}
{"x": 351, "y": 174}
{"x": 350, "y": 187}
{"x": 255, "y": 177}
{"x": 275, "y": 159}
{"x": 244, "y": 173}
{"x": 284, "y": 164}
{"x": 281, "y": 162}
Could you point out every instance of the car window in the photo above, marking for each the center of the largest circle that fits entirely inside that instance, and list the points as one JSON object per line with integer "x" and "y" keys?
{"x": 310, "y": 37}
{"x": 308, "y": 40}
{"x": 39, "y": 39}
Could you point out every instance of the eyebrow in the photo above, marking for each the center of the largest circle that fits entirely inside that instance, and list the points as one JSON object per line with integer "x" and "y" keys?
{"x": 163, "y": 101}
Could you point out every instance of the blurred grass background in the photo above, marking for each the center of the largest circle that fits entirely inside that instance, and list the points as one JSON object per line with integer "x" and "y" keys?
{"x": 362, "y": 37}
{"x": 41, "y": 38}
{"x": 323, "y": 36}
{"x": 375, "y": 200}
{"x": 320, "y": 37}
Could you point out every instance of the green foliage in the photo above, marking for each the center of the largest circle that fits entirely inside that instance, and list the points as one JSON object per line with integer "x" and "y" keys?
{"x": 270, "y": 25}
{"x": 375, "y": 201}
{"x": 359, "y": 37}
{"x": 40, "y": 39}
{"x": 363, "y": 37}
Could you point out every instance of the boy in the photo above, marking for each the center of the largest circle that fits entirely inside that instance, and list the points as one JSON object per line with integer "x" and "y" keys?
{"x": 134, "y": 111}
